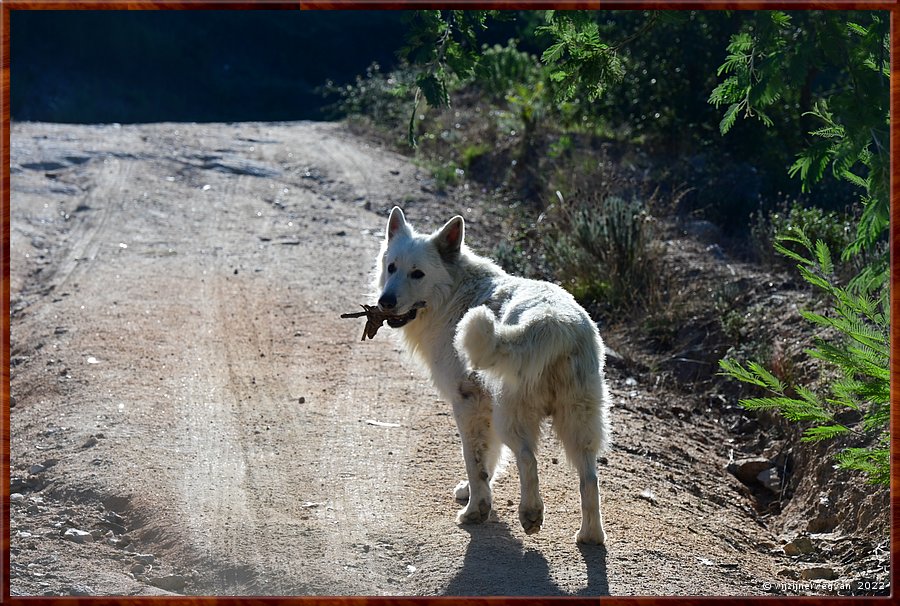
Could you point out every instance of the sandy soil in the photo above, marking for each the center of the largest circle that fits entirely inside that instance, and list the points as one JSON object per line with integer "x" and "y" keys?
{"x": 191, "y": 416}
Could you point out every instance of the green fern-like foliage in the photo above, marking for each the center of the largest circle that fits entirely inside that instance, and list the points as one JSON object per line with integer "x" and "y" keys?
{"x": 860, "y": 354}
{"x": 769, "y": 60}
{"x": 581, "y": 59}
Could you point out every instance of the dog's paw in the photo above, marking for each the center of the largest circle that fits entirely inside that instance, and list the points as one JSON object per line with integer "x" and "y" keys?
{"x": 461, "y": 492}
{"x": 532, "y": 518}
{"x": 591, "y": 536}
{"x": 474, "y": 513}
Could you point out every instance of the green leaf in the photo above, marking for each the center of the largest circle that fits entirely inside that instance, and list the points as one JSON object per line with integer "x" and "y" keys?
{"x": 434, "y": 90}
{"x": 824, "y": 257}
{"x": 875, "y": 463}
{"x": 764, "y": 403}
{"x": 781, "y": 18}
{"x": 553, "y": 53}
{"x": 823, "y": 432}
{"x": 787, "y": 252}
{"x": 735, "y": 370}
{"x": 769, "y": 380}
{"x": 729, "y": 118}
{"x": 857, "y": 29}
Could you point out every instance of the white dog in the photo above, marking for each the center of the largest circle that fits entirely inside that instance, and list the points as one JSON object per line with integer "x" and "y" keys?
{"x": 507, "y": 352}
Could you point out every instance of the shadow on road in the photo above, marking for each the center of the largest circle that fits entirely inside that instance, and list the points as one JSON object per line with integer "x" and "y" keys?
{"x": 496, "y": 564}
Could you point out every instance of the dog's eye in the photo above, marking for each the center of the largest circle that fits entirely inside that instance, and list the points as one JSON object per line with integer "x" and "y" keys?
{"x": 392, "y": 268}
{"x": 417, "y": 274}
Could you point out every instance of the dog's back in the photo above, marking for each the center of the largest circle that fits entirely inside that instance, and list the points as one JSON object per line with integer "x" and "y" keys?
{"x": 532, "y": 343}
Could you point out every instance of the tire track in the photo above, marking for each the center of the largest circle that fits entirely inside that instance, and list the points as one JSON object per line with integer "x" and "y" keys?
{"x": 87, "y": 238}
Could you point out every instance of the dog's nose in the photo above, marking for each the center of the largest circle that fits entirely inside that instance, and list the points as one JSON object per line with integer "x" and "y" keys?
{"x": 387, "y": 301}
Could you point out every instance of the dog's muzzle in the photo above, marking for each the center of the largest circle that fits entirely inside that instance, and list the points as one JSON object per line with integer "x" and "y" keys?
{"x": 398, "y": 321}
{"x": 404, "y": 319}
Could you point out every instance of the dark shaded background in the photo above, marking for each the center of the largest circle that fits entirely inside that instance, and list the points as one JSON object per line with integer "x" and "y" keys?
{"x": 203, "y": 66}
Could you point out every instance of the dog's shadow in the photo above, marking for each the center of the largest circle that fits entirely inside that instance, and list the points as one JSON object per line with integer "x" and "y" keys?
{"x": 495, "y": 564}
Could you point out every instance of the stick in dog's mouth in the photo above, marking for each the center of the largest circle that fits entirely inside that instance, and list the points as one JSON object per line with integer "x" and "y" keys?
{"x": 376, "y": 317}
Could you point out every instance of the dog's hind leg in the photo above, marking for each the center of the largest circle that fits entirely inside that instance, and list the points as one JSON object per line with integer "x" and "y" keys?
{"x": 579, "y": 432}
{"x": 520, "y": 432}
{"x": 481, "y": 452}
{"x": 591, "y": 531}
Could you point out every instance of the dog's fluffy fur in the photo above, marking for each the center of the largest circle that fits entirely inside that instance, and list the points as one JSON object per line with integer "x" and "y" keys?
{"x": 507, "y": 352}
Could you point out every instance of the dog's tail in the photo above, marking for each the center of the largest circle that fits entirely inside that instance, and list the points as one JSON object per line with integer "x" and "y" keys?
{"x": 522, "y": 351}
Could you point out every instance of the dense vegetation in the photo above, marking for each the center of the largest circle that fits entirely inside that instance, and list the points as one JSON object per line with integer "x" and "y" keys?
{"x": 772, "y": 126}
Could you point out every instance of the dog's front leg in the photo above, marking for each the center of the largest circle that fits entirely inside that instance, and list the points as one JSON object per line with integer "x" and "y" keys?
{"x": 481, "y": 450}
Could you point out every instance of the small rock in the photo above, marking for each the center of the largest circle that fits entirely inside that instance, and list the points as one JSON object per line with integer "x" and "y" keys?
{"x": 16, "y": 497}
{"x": 631, "y": 382}
{"x": 112, "y": 516}
{"x": 79, "y": 590}
{"x": 769, "y": 478}
{"x": 302, "y": 400}
{"x": 138, "y": 569}
{"x": 147, "y": 559}
{"x": 747, "y": 470}
{"x": 817, "y": 573}
{"x": 91, "y": 441}
{"x": 122, "y": 542}
{"x": 172, "y": 582}
{"x": 788, "y": 573}
{"x": 798, "y": 546}
{"x": 97, "y": 533}
{"x": 34, "y": 482}
{"x": 36, "y": 469}
{"x": 822, "y": 523}
{"x": 648, "y": 495}
{"x": 78, "y": 536}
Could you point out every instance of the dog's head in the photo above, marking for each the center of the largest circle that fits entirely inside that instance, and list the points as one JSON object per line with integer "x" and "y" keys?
{"x": 413, "y": 271}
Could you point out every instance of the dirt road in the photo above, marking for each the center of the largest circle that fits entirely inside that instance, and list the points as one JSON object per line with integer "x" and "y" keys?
{"x": 184, "y": 391}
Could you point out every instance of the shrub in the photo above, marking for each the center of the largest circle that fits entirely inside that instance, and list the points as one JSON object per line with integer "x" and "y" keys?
{"x": 858, "y": 405}
{"x": 379, "y": 96}
{"x": 604, "y": 255}
{"x": 501, "y": 68}
{"x": 834, "y": 229}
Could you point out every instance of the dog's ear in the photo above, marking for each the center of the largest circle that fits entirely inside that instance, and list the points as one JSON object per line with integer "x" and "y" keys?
{"x": 450, "y": 238}
{"x": 397, "y": 225}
